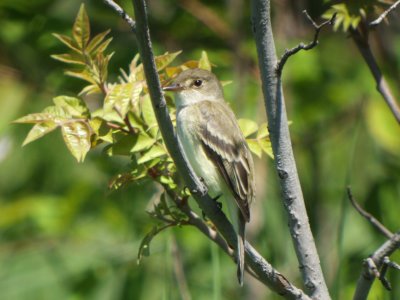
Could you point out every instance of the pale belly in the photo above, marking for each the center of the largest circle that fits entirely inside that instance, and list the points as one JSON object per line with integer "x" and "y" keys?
{"x": 197, "y": 158}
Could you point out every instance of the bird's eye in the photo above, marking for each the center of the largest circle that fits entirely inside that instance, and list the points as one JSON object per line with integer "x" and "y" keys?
{"x": 198, "y": 82}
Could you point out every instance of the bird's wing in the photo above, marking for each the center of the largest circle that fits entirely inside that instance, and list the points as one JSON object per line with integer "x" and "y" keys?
{"x": 224, "y": 144}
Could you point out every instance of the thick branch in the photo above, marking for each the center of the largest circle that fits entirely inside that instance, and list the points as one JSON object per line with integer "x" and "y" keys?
{"x": 211, "y": 209}
{"x": 384, "y": 14}
{"x": 381, "y": 84}
{"x": 285, "y": 164}
{"x": 373, "y": 263}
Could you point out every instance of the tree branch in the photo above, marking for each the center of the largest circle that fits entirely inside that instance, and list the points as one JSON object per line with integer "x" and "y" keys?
{"x": 384, "y": 14}
{"x": 122, "y": 13}
{"x": 259, "y": 265}
{"x": 373, "y": 264}
{"x": 378, "y": 225}
{"x": 284, "y": 160}
{"x": 381, "y": 84}
{"x": 302, "y": 46}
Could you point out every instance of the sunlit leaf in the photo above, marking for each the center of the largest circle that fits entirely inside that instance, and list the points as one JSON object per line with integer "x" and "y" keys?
{"x": 96, "y": 41}
{"x": 81, "y": 28}
{"x": 90, "y": 89}
{"x": 248, "y": 127}
{"x": 153, "y": 152}
{"x": 35, "y": 118}
{"x": 204, "y": 63}
{"x": 121, "y": 97}
{"x": 162, "y": 61}
{"x": 69, "y": 58}
{"x": 77, "y": 138}
{"x": 66, "y": 40}
{"x": 142, "y": 142}
{"x": 101, "y": 129}
{"x": 263, "y": 131}
{"x": 254, "y": 147}
{"x": 148, "y": 115}
{"x": 75, "y": 107}
{"x": 39, "y": 130}
{"x": 84, "y": 75}
{"x": 266, "y": 147}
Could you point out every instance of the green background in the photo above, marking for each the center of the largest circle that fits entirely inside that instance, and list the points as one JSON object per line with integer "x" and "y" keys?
{"x": 64, "y": 235}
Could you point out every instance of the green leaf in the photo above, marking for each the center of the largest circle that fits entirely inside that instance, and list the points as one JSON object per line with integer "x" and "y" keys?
{"x": 248, "y": 127}
{"x": 77, "y": 138}
{"x": 204, "y": 63}
{"x": 69, "y": 58}
{"x": 121, "y": 97}
{"x": 35, "y": 118}
{"x": 153, "y": 152}
{"x": 142, "y": 142}
{"x": 96, "y": 41}
{"x": 266, "y": 147}
{"x": 39, "y": 130}
{"x": 72, "y": 106}
{"x": 90, "y": 89}
{"x": 162, "y": 61}
{"x": 69, "y": 42}
{"x": 263, "y": 131}
{"x": 84, "y": 75}
{"x": 81, "y": 28}
{"x": 147, "y": 114}
{"x": 144, "y": 248}
{"x": 254, "y": 147}
{"x": 101, "y": 129}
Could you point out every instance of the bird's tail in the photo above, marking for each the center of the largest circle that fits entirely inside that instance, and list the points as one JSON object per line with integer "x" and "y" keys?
{"x": 240, "y": 248}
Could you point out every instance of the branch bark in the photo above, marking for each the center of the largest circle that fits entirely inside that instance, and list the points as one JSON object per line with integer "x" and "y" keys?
{"x": 284, "y": 160}
{"x": 266, "y": 273}
{"x": 368, "y": 275}
{"x": 381, "y": 84}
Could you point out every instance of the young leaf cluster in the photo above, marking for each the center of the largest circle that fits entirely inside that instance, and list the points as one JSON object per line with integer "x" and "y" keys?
{"x": 124, "y": 122}
{"x": 349, "y": 14}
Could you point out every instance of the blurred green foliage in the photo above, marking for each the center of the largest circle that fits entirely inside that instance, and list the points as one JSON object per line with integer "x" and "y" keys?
{"x": 64, "y": 235}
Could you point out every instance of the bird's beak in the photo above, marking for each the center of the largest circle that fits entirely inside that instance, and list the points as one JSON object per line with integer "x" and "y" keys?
{"x": 173, "y": 88}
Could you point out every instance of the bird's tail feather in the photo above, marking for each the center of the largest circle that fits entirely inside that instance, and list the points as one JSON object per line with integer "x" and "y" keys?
{"x": 240, "y": 248}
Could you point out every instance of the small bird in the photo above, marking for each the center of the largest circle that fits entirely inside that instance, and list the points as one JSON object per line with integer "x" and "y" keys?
{"x": 215, "y": 147}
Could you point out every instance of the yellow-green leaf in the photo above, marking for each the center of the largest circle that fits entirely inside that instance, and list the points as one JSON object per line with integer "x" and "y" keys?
{"x": 248, "y": 127}
{"x": 96, "y": 41}
{"x": 72, "y": 106}
{"x": 81, "y": 28}
{"x": 263, "y": 131}
{"x": 142, "y": 142}
{"x": 69, "y": 58}
{"x": 204, "y": 62}
{"x": 66, "y": 40}
{"x": 35, "y": 118}
{"x": 266, "y": 146}
{"x": 84, "y": 75}
{"x": 101, "y": 130}
{"x": 121, "y": 97}
{"x": 254, "y": 147}
{"x": 39, "y": 130}
{"x": 162, "y": 61}
{"x": 153, "y": 152}
{"x": 148, "y": 115}
{"x": 77, "y": 138}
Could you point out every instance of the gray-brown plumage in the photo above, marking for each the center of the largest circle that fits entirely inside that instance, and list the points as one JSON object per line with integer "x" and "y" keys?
{"x": 214, "y": 145}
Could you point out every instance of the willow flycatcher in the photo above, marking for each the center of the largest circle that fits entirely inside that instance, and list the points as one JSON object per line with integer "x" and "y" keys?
{"x": 215, "y": 147}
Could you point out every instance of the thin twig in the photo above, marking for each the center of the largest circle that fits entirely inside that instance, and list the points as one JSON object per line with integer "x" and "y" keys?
{"x": 302, "y": 46}
{"x": 122, "y": 13}
{"x": 378, "y": 225}
{"x": 381, "y": 84}
{"x": 378, "y": 20}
